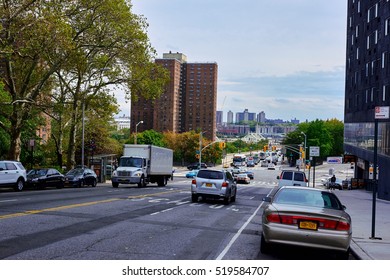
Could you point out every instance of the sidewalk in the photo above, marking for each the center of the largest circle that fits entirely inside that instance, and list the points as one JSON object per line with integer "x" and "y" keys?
{"x": 359, "y": 206}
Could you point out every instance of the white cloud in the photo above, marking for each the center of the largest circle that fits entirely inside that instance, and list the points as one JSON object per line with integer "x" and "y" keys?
{"x": 283, "y": 57}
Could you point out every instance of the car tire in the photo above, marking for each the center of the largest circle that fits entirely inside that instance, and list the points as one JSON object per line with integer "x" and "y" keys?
{"x": 80, "y": 184}
{"x": 265, "y": 247}
{"x": 94, "y": 183}
{"x": 162, "y": 181}
{"x": 343, "y": 255}
{"x": 194, "y": 198}
{"x": 19, "y": 185}
{"x": 227, "y": 200}
{"x": 115, "y": 185}
{"x": 141, "y": 183}
{"x": 234, "y": 197}
{"x": 60, "y": 185}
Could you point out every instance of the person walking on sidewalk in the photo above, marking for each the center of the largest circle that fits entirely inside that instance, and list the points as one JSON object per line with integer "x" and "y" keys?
{"x": 332, "y": 185}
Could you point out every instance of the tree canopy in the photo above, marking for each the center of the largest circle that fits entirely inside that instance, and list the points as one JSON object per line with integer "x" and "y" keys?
{"x": 62, "y": 55}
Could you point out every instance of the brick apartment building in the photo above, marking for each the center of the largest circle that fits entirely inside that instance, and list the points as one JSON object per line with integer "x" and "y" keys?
{"x": 188, "y": 103}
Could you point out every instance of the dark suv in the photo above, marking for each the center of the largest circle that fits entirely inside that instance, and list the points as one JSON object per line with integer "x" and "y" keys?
{"x": 196, "y": 165}
{"x": 211, "y": 183}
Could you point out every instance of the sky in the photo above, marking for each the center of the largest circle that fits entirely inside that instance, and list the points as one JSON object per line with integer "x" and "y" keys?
{"x": 283, "y": 57}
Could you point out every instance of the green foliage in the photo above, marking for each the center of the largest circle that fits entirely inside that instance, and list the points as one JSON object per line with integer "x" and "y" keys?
{"x": 328, "y": 135}
{"x": 151, "y": 137}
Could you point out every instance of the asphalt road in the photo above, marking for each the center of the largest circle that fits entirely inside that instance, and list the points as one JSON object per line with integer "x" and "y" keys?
{"x": 151, "y": 223}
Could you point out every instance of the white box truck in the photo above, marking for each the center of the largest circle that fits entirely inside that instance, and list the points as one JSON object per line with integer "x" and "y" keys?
{"x": 143, "y": 164}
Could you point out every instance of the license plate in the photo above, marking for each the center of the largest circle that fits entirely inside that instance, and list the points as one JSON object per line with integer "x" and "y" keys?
{"x": 209, "y": 185}
{"x": 308, "y": 225}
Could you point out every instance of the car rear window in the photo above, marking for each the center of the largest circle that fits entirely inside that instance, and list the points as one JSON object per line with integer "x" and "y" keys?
{"x": 299, "y": 177}
{"x": 308, "y": 198}
{"x": 287, "y": 175}
{"x": 210, "y": 174}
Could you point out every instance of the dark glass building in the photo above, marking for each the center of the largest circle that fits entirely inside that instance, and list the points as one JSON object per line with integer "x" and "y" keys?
{"x": 367, "y": 87}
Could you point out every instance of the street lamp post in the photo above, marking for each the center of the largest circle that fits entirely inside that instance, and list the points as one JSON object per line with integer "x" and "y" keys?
{"x": 136, "y": 130}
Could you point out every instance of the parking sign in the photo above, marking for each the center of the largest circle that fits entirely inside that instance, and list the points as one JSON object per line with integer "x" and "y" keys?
{"x": 314, "y": 151}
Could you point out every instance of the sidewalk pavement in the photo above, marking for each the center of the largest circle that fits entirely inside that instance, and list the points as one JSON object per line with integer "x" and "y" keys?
{"x": 366, "y": 244}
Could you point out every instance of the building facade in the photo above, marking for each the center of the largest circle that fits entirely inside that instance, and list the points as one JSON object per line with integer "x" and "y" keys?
{"x": 189, "y": 101}
{"x": 367, "y": 87}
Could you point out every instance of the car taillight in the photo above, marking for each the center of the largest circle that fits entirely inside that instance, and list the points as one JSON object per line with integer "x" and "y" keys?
{"x": 193, "y": 182}
{"x": 225, "y": 184}
{"x": 273, "y": 218}
{"x": 322, "y": 222}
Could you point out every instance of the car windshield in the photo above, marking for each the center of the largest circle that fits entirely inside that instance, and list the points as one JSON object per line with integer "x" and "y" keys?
{"x": 210, "y": 174}
{"x": 37, "y": 172}
{"x": 321, "y": 199}
{"x": 130, "y": 162}
{"x": 77, "y": 171}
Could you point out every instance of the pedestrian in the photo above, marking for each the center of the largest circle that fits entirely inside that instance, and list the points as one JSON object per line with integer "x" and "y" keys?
{"x": 333, "y": 182}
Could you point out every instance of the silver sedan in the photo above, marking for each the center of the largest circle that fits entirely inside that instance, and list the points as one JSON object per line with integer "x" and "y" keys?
{"x": 306, "y": 217}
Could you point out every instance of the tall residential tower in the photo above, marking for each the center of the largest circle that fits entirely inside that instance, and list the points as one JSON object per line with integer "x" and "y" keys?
{"x": 367, "y": 86}
{"x": 188, "y": 103}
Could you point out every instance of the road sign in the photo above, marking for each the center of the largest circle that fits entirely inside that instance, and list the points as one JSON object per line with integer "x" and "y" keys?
{"x": 314, "y": 151}
{"x": 382, "y": 112}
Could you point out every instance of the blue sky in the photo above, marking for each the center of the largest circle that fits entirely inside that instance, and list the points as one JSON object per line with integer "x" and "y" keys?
{"x": 283, "y": 57}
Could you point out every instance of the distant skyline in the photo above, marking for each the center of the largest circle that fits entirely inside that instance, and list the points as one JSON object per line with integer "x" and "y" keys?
{"x": 285, "y": 57}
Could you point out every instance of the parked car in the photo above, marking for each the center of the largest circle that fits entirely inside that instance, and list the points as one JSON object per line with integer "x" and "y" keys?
{"x": 12, "y": 174}
{"x": 306, "y": 217}
{"x": 271, "y": 166}
{"x": 338, "y": 184}
{"x": 79, "y": 177}
{"x": 292, "y": 178}
{"x": 216, "y": 184}
{"x": 192, "y": 173}
{"x": 41, "y": 178}
{"x": 250, "y": 174}
{"x": 243, "y": 178}
{"x": 196, "y": 165}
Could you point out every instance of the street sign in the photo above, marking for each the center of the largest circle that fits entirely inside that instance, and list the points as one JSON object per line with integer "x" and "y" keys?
{"x": 314, "y": 151}
{"x": 382, "y": 112}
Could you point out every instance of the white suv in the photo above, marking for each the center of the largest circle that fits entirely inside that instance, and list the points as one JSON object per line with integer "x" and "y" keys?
{"x": 12, "y": 174}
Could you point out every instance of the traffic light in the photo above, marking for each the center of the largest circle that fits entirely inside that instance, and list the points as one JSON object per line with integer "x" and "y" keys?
{"x": 265, "y": 148}
{"x": 197, "y": 156}
{"x": 222, "y": 145}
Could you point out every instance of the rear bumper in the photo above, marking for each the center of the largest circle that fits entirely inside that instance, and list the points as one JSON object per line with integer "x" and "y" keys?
{"x": 322, "y": 239}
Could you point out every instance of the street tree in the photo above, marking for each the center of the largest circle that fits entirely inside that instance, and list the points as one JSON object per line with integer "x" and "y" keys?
{"x": 82, "y": 46}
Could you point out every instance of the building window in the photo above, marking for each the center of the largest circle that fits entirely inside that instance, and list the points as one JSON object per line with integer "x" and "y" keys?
{"x": 387, "y": 26}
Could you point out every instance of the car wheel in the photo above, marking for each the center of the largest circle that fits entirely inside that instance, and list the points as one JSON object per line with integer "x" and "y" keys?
{"x": 81, "y": 184}
{"x": 194, "y": 198}
{"x": 94, "y": 183}
{"x": 343, "y": 255}
{"x": 227, "y": 200}
{"x": 265, "y": 247}
{"x": 234, "y": 197}
{"x": 19, "y": 185}
{"x": 115, "y": 185}
{"x": 141, "y": 183}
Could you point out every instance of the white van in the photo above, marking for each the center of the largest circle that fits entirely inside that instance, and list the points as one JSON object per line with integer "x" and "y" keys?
{"x": 292, "y": 178}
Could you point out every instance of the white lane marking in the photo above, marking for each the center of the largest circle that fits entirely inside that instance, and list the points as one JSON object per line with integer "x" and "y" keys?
{"x": 227, "y": 248}
{"x": 9, "y": 200}
{"x": 162, "y": 211}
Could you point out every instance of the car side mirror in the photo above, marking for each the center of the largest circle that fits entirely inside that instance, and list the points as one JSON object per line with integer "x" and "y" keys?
{"x": 278, "y": 177}
{"x": 266, "y": 199}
